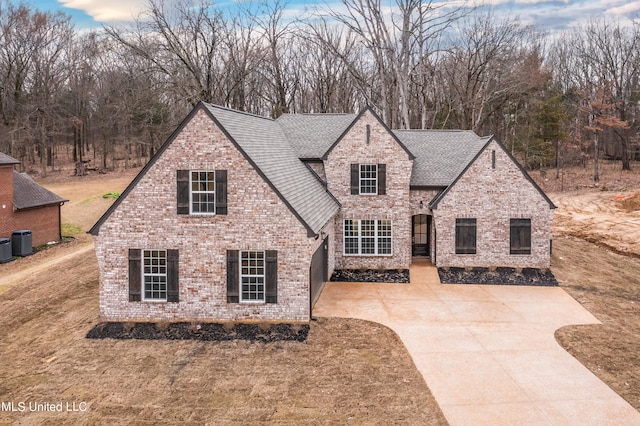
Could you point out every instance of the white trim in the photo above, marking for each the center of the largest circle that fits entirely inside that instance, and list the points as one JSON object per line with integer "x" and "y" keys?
{"x": 376, "y": 237}
{"x": 212, "y": 192}
{"x": 250, "y": 275}
{"x": 152, "y": 274}
{"x": 360, "y": 179}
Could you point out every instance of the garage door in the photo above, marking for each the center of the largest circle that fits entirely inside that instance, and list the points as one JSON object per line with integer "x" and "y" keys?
{"x": 318, "y": 272}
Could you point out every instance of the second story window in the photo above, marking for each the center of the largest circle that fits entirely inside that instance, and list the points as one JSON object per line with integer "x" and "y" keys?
{"x": 368, "y": 178}
{"x": 203, "y": 192}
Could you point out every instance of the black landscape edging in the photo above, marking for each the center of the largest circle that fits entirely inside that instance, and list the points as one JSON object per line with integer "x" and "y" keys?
{"x": 200, "y": 331}
{"x": 371, "y": 275}
{"x": 501, "y": 276}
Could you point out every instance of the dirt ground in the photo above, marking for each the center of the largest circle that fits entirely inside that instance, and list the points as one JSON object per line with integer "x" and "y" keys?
{"x": 596, "y": 259}
{"x": 608, "y": 285}
{"x": 348, "y": 371}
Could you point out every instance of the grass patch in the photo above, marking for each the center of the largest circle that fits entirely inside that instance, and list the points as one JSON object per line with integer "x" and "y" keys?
{"x": 71, "y": 230}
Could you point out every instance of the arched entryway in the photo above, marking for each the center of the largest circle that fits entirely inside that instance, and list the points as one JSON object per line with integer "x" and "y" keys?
{"x": 420, "y": 235}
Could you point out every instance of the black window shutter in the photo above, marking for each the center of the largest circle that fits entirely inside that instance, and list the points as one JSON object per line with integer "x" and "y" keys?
{"x": 173, "y": 283}
{"x": 183, "y": 191}
{"x": 271, "y": 276}
{"x": 221, "y": 192}
{"x": 520, "y": 236}
{"x": 382, "y": 179}
{"x": 135, "y": 275}
{"x": 233, "y": 276}
{"x": 355, "y": 179}
{"x": 465, "y": 236}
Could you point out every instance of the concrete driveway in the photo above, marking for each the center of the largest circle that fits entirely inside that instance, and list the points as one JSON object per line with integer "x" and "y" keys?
{"x": 487, "y": 353}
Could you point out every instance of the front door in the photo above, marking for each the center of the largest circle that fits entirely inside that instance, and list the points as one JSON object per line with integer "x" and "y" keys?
{"x": 421, "y": 233}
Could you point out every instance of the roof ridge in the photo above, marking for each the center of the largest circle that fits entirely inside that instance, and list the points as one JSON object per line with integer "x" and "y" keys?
{"x": 209, "y": 105}
{"x": 324, "y": 114}
{"x": 435, "y": 130}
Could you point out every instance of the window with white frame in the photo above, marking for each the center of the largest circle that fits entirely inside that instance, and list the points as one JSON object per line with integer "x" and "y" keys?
{"x": 154, "y": 274}
{"x": 203, "y": 192}
{"x": 368, "y": 178}
{"x": 252, "y": 276}
{"x": 367, "y": 237}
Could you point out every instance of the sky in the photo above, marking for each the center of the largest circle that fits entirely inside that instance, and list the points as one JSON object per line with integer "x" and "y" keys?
{"x": 548, "y": 15}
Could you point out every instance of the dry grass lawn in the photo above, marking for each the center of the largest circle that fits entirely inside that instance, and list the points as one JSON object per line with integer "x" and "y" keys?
{"x": 348, "y": 372}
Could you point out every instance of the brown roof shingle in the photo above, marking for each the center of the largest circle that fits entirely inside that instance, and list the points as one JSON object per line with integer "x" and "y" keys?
{"x": 27, "y": 193}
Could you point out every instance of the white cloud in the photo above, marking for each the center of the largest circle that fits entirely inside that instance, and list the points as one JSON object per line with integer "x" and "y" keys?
{"x": 625, "y": 9}
{"x": 108, "y": 11}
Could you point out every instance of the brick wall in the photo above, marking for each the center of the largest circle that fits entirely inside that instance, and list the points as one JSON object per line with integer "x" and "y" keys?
{"x": 493, "y": 197}
{"x": 395, "y": 205}
{"x": 257, "y": 219}
{"x": 6, "y": 201}
{"x": 43, "y": 222}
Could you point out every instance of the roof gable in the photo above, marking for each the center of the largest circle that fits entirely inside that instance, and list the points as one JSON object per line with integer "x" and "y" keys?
{"x": 265, "y": 147}
{"x": 355, "y": 120}
{"x": 28, "y": 194}
{"x": 434, "y": 203}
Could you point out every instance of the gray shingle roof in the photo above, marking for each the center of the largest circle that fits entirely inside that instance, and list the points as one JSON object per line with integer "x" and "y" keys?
{"x": 311, "y": 135}
{"x": 265, "y": 143}
{"x": 6, "y": 159}
{"x": 441, "y": 155}
{"x": 28, "y": 194}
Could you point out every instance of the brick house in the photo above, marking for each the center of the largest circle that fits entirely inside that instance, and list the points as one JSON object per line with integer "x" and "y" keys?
{"x": 26, "y": 205}
{"x": 240, "y": 217}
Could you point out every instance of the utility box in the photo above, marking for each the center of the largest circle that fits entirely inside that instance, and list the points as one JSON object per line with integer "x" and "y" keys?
{"x": 21, "y": 243}
{"x": 5, "y": 250}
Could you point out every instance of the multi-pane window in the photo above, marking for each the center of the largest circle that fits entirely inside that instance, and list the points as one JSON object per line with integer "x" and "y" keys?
{"x": 154, "y": 274}
{"x": 351, "y": 237}
{"x": 367, "y": 237}
{"x": 368, "y": 178}
{"x": 203, "y": 192}
{"x": 465, "y": 236}
{"x": 384, "y": 237}
{"x": 252, "y": 276}
{"x": 520, "y": 230}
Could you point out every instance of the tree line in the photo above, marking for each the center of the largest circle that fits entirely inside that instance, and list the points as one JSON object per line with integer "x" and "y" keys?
{"x": 113, "y": 95}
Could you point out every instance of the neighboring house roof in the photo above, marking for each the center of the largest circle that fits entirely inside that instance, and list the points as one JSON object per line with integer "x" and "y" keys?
{"x": 264, "y": 143}
{"x": 28, "y": 194}
{"x": 6, "y": 159}
{"x": 311, "y": 135}
{"x": 434, "y": 203}
{"x": 441, "y": 155}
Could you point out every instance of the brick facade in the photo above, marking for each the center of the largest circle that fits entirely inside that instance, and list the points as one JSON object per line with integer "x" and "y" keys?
{"x": 394, "y": 205}
{"x": 43, "y": 222}
{"x": 493, "y": 196}
{"x": 257, "y": 219}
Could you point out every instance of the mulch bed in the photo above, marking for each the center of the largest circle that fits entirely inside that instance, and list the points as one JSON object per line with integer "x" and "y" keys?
{"x": 263, "y": 333}
{"x": 371, "y": 275}
{"x": 501, "y": 276}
